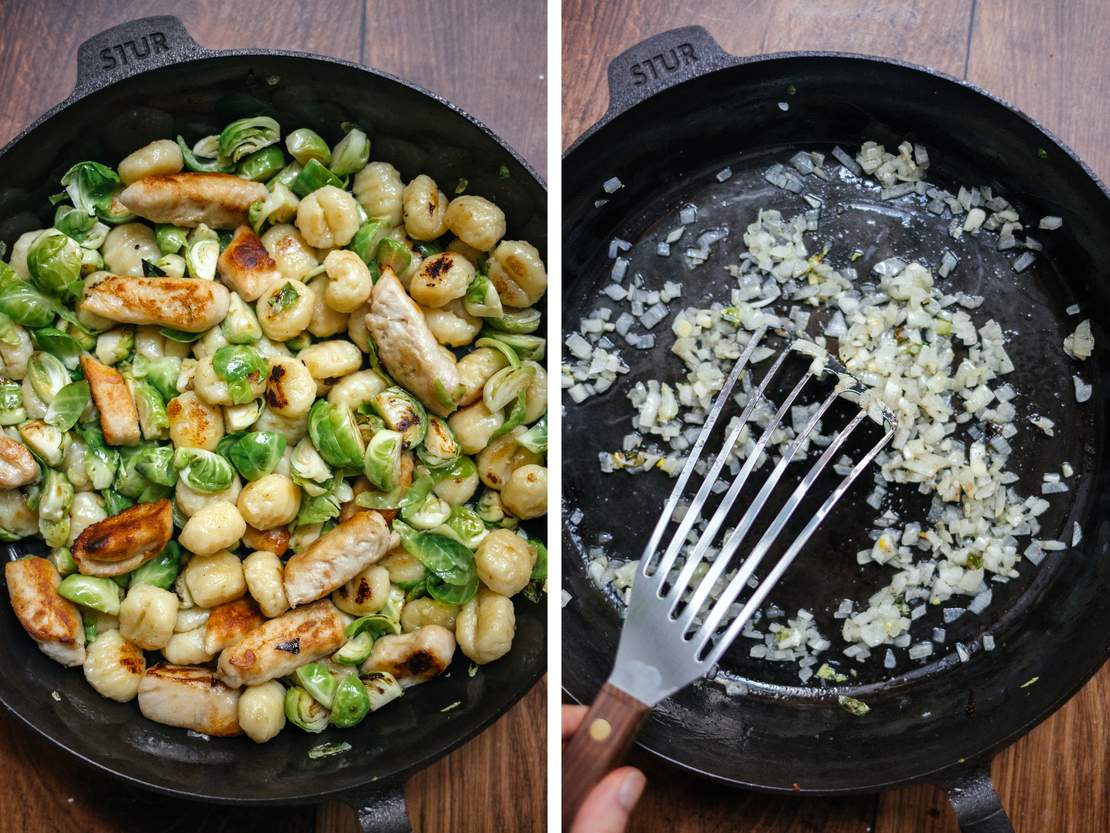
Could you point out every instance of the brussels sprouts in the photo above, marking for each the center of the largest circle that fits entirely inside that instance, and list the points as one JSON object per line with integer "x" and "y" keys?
{"x": 241, "y": 417}
{"x": 91, "y": 187}
{"x": 304, "y": 712}
{"x": 162, "y": 570}
{"x": 351, "y": 703}
{"x": 171, "y": 266}
{"x": 539, "y": 570}
{"x": 99, "y": 594}
{"x": 521, "y": 345}
{"x": 262, "y": 164}
{"x": 482, "y": 300}
{"x": 318, "y": 681}
{"x": 245, "y": 136}
{"x": 366, "y": 239}
{"x": 312, "y": 177}
{"x": 114, "y": 502}
{"x": 203, "y": 471}
{"x": 25, "y": 305}
{"x": 308, "y": 469}
{"x": 12, "y": 411}
{"x": 257, "y": 454}
{"x": 452, "y": 575}
{"x": 427, "y": 513}
{"x": 115, "y": 345}
{"x": 129, "y": 481}
{"x": 179, "y": 336}
{"x": 243, "y": 370}
{"x": 517, "y": 321}
{"x": 535, "y": 438}
{"x": 197, "y": 161}
{"x": 304, "y": 145}
{"x": 355, "y": 651}
{"x": 54, "y": 261}
{"x": 153, "y": 419}
{"x": 241, "y": 324}
{"x": 394, "y": 254}
{"x": 507, "y": 384}
{"x": 280, "y": 206}
{"x": 58, "y": 344}
{"x": 321, "y": 508}
{"x": 465, "y": 526}
{"x": 351, "y": 154}
{"x": 47, "y": 375}
{"x": 44, "y": 440}
{"x": 201, "y": 258}
{"x": 402, "y": 412}
{"x": 335, "y": 434}
{"x": 155, "y": 463}
{"x": 80, "y": 226}
{"x": 382, "y": 462}
{"x": 374, "y": 625}
{"x": 55, "y": 497}
{"x": 440, "y": 448}
{"x": 427, "y": 248}
{"x": 171, "y": 239}
{"x": 91, "y": 261}
{"x": 101, "y": 462}
{"x": 490, "y": 509}
{"x": 286, "y": 176}
{"x": 381, "y": 688}
{"x": 63, "y": 562}
{"x": 515, "y": 418}
{"x": 68, "y": 405}
{"x": 203, "y": 232}
{"x": 160, "y": 373}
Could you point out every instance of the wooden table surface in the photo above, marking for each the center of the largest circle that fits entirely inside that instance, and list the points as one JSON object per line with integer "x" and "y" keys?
{"x": 1047, "y": 57}
{"x": 452, "y": 47}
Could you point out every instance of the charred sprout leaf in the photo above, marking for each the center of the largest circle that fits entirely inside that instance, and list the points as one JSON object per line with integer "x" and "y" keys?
{"x": 284, "y": 298}
{"x": 152, "y": 270}
{"x": 243, "y": 370}
{"x": 355, "y": 651}
{"x": 304, "y": 712}
{"x": 306, "y": 145}
{"x": 517, "y": 321}
{"x": 402, "y": 412}
{"x": 515, "y": 418}
{"x": 452, "y": 575}
{"x": 853, "y": 706}
{"x": 161, "y": 373}
{"x": 440, "y": 447}
{"x": 335, "y": 434}
{"x": 351, "y": 703}
{"x": 318, "y": 681}
{"x": 382, "y": 463}
{"x": 91, "y": 186}
{"x": 202, "y": 164}
{"x": 203, "y": 471}
{"x": 535, "y": 438}
{"x": 257, "y": 454}
{"x": 262, "y": 164}
{"x": 155, "y": 463}
{"x": 61, "y": 345}
{"x": 328, "y": 750}
{"x": 312, "y": 177}
{"x": 382, "y": 688}
{"x": 68, "y": 405}
{"x": 351, "y": 154}
{"x": 506, "y": 385}
{"x": 482, "y": 300}
{"x": 246, "y": 136}
{"x": 394, "y": 254}
{"x": 153, "y": 419}
{"x": 366, "y": 239}
{"x": 525, "y": 346}
{"x": 99, "y": 594}
{"x": 160, "y": 571}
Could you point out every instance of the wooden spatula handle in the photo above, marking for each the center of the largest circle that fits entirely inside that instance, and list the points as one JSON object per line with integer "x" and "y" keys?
{"x": 599, "y": 745}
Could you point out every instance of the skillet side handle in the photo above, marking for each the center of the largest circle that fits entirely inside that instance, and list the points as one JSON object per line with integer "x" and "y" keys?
{"x": 660, "y": 62}
{"x": 973, "y": 797}
{"x": 600, "y": 744}
{"x": 132, "y": 47}
{"x": 380, "y": 808}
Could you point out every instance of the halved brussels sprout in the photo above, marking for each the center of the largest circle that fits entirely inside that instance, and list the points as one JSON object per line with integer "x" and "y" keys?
{"x": 355, "y": 651}
{"x": 162, "y": 570}
{"x": 203, "y": 471}
{"x": 452, "y": 574}
{"x": 335, "y": 434}
{"x": 501, "y": 347}
{"x": 63, "y": 562}
{"x": 304, "y": 712}
{"x": 351, "y": 703}
{"x": 257, "y": 454}
{"x": 402, "y": 412}
{"x": 171, "y": 239}
{"x": 321, "y": 508}
{"x": 99, "y": 594}
{"x": 428, "y": 513}
{"x": 172, "y": 266}
{"x": 129, "y": 481}
{"x": 305, "y": 144}
{"x": 440, "y": 448}
{"x": 241, "y": 324}
{"x": 245, "y": 136}
{"x": 153, "y": 419}
{"x": 161, "y": 373}
{"x": 68, "y": 405}
{"x": 114, "y": 502}
{"x": 312, "y": 177}
{"x": 24, "y": 304}
{"x": 309, "y": 470}
{"x": 155, "y": 463}
{"x": 201, "y": 258}
{"x": 46, "y": 441}
{"x": 54, "y": 261}
{"x": 286, "y": 176}
{"x": 91, "y": 187}
{"x": 101, "y": 462}
{"x": 280, "y": 206}
{"x": 351, "y": 153}
{"x": 47, "y": 375}
{"x": 243, "y": 369}
{"x": 506, "y": 385}
{"x": 482, "y": 300}
{"x": 262, "y": 164}
{"x": 204, "y": 156}
{"x": 115, "y": 345}
{"x": 518, "y": 321}
{"x": 318, "y": 681}
{"x": 465, "y": 526}
{"x": 394, "y": 254}
{"x": 382, "y": 462}
{"x": 375, "y": 624}
{"x": 56, "y": 496}
{"x": 12, "y": 411}
{"x": 525, "y": 346}
{"x": 366, "y": 239}
{"x": 381, "y": 688}
{"x": 535, "y": 438}
{"x": 241, "y": 417}
{"x": 58, "y": 344}
{"x": 515, "y": 418}
{"x": 492, "y": 512}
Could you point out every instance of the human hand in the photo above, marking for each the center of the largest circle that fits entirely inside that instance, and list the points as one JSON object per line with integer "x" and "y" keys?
{"x": 608, "y": 805}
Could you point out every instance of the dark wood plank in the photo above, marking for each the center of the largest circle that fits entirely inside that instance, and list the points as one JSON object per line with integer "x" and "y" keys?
{"x": 497, "y": 782}
{"x": 931, "y": 32}
{"x": 487, "y": 57}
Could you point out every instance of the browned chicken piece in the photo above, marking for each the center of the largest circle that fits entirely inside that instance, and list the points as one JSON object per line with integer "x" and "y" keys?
{"x": 407, "y": 347}
{"x": 228, "y": 623}
{"x": 123, "y": 542}
{"x": 270, "y": 540}
{"x": 189, "y": 697}
{"x": 17, "y": 466}
{"x": 335, "y": 558}
{"x": 413, "y": 657}
{"x": 246, "y": 266}
{"x": 119, "y": 419}
{"x": 184, "y": 304}
{"x": 189, "y": 199}
{"x": 53, "y": 622}
{"x": 283, "y": 644}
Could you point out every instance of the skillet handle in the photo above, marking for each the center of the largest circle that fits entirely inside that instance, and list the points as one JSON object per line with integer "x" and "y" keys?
{"x": 600, "y": 744}
{"x": 380, "y": 807}
{"x": 660, "y": 62}
{"x": 133, "y": 47}
{"x": 973, "y": 797}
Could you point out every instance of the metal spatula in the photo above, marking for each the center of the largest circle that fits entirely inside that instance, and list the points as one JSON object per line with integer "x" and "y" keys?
{"x": 676, "y": 631}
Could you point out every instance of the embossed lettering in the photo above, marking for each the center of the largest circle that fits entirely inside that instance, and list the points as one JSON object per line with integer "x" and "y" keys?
{"x": 106, "y": 59}
{"x": 657, "y": 66}
{"x": 146, "y": 46}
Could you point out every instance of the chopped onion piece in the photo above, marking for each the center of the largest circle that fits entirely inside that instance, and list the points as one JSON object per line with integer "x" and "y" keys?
{"x": 1024, "y": 261}
{"x": 1082, "y": 390}
{"x": 612, "y": 185}
{"x": 1050, "y": 223}
{"x": 724, "y": 174}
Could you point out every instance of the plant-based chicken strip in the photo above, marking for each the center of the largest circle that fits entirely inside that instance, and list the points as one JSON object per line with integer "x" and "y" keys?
{"x": 336, "y": 558}
{"x": 119, "y": 418}
{"x": 186, "y": 304}
{"x": 123, "y": 542}
{"x": 189, "y": 697}
{"x": 246, "y": 266}
{"x": 189, "y": 199}
{"x": 53, "y": 622}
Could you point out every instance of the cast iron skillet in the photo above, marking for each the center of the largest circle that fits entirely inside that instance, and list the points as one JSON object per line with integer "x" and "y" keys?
{"x": 148, "y": 79}
{"x": 681, "y": 109}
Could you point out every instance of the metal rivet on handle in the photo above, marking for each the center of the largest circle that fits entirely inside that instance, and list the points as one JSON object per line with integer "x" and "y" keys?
{"x": 600, "y": 729}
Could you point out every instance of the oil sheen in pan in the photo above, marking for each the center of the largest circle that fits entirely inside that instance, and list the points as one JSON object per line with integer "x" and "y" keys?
{"x": 1029, "y": 306}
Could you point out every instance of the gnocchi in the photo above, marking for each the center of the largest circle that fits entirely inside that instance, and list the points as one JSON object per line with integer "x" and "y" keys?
{"x": 159, "y": 157}
{"x": 485, "y": 627}
{"x": 518, "y": 273}
{"x": 290, "y": 388}
{"x": 147, "y": 616}
{"x": 349, "y": 281}
{"x": 365, "y": 593}
{"x": 262, "y": 711}
{"x": 474, "y": 426}
{"x": 476, "y": 221}
{"x": 285, "y": 310}
{"x": 215, "y": 579}
{"x": 379, "y": 190}
{"x": 441, "y": 278}
{"x": 525, "y": 495}
{"x": 263, "y": 573}
{"x": 452, "y": 325}
{"x": 331, "y": 360}
{"x": 127, "y": 246}
{"x": 293, "y": 256}
{"x": 504, "y": 561}
{"x": 114, "y": 667}
{"x": 428, "y": 611}
{"x": 271, "y": 501}
{"x": 217, "y": 526}
{"x": 328, "y": 217}
{"x": 193, "y": 422}
{"x": 424, "y": 207}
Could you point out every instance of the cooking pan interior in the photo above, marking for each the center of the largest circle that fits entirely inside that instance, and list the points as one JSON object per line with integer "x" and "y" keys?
{"x": 1049, "y": 623}
{"x": 415, "y": 132}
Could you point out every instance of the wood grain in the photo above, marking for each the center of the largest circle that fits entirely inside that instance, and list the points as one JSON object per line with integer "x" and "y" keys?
{"x": 1038, "y": 55}
{"x": 490, "y": 58}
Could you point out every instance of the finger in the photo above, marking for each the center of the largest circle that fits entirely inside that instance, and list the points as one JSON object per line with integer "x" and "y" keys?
{"x": 608, "y": 805}
{"x": 572, "y": 719}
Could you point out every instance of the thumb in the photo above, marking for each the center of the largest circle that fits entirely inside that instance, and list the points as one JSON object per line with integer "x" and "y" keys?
{"x": 608, "y": 805}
